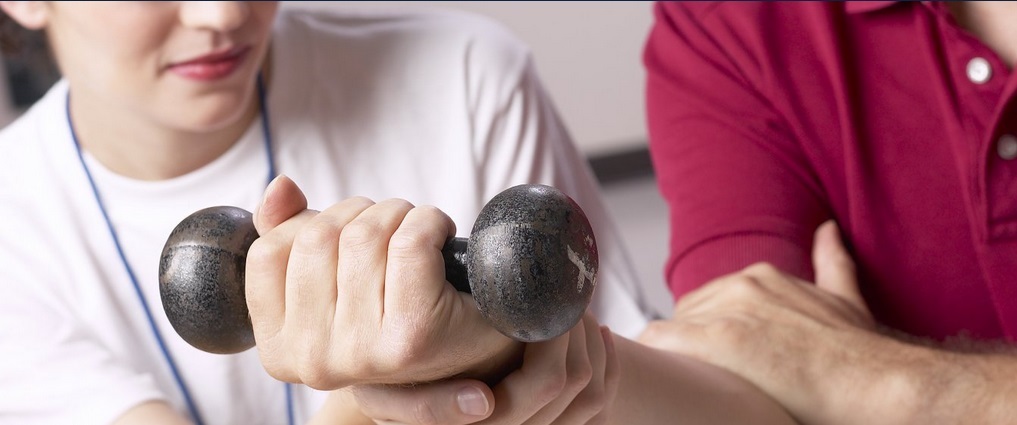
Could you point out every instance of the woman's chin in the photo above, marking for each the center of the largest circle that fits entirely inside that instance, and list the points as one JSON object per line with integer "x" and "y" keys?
{"x": 222, "y": 118}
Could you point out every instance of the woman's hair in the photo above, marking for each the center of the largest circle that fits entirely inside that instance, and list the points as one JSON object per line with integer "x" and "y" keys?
{"x": 11, "y": 35}
{"x": 27, "y": 61}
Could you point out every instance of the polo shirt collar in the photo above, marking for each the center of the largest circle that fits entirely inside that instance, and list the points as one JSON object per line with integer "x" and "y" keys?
{"x": 866, "y": 6}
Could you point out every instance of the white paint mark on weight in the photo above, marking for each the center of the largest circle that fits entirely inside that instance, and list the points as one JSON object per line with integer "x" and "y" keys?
{"x": 584, "y": 272}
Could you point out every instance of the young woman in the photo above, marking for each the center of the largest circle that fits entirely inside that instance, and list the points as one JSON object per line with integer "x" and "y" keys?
{"x": 169, "y": 107}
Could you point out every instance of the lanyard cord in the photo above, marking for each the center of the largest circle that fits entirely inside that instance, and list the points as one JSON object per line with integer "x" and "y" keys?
{"x": 267, "y": 136}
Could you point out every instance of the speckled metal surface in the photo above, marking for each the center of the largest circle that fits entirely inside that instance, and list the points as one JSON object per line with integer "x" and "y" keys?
{"x": 201, "y": 279}
{"x": 533, "y": 262}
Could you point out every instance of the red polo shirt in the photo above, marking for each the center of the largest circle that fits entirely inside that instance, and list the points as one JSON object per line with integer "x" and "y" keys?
{"x": 767, "y": 119}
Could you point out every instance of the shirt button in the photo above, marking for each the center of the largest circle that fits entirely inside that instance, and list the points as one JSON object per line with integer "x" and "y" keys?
{"x": 979, "y": 70}
{"x": 1007, "y": 147}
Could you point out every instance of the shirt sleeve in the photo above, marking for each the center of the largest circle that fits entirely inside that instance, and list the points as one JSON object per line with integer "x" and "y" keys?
{"x": 520, "y": 138}
{"x": 739, "y": 187}
{"x": 53, "y": 370}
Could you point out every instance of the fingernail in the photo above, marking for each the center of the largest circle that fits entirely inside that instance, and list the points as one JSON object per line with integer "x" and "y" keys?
{"x": 268, "y": 189}
{"x": 472, "y": 401}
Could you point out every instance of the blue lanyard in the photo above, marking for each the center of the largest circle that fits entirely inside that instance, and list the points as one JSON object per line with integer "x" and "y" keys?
{"x": 267, "y": 136}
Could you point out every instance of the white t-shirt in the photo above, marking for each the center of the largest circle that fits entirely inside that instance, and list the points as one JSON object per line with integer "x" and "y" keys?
{"x": 436, "y": 108}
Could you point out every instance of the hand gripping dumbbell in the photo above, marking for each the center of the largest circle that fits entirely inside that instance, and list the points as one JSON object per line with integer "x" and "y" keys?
{"x": 530, "y": 263}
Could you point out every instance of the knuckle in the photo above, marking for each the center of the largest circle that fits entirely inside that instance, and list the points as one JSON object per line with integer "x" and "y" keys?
{"x": 579, "y": 377}
{"x": 404, "y": 349}
{"x": 745, "y": 285}
{"x": 551, "y": 387}
{"x": 681, "y": 304}
{"x": 318, "y": 233}
{"x": 397, "y": 203}
{"x": 281, "y": 374}
{"x": 316, "y": 376}
{"x": 359, "y": 232}
{"x": 659, "y": 333}
{"x": 763, "y": 268}
{"x": 410, "y": 242}
{"x": 262, "y": 255}
{"x": 312, "y": 378}
{"x": 355, "y": 202}
{"x": 432, "y": 211}
{"x": 309, "y": 372}
{"x": 312, "y": 365}
{"x": 431, "y": 214}
{"x": 274, "y": 367}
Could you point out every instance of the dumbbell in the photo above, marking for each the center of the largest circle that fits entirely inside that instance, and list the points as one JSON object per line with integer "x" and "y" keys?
{"x": 530, "y": 263}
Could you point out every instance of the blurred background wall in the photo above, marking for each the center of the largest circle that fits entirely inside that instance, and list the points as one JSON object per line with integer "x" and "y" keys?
{"x": 588, "y": 55}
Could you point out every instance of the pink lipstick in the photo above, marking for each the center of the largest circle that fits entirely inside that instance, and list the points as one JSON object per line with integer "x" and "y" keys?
{"x": 213, "y": 66}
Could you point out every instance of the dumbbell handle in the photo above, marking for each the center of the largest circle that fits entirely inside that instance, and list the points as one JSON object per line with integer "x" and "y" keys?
{"x": 454, "y": 253}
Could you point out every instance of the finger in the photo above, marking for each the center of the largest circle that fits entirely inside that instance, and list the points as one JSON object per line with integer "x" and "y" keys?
{"x": 418, "y": 296}
{"x": 363, "y": 255}
{"x": 835, "y": 270}
{"x": 579, "y": 373}
{"x": 612, "y": 377}
{"x": 282, "y": 200}
{"x": 415, "y": 269}
{"x": 592, "y": 392}
{"x": 310, "y": 289}
{"x": 264, "y": 288}
{"x": 452, "y": 402}
{"x": 536, "y": 383}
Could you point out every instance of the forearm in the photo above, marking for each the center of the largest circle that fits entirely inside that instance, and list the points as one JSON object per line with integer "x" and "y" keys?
{"x": 662, "y": 387}
{"x": 876, "y": 379}
{"x": 937, "y": 386}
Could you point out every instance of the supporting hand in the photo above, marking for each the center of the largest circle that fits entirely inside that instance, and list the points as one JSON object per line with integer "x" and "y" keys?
{"x": 811, "y": 347}
{"x": 571, "y": 379}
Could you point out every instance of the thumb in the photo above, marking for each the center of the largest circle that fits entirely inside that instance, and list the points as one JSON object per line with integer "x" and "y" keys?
{"x": 461, "y": 401}
{"x": 835, "y": 270}
{"x": 282, "y": 200}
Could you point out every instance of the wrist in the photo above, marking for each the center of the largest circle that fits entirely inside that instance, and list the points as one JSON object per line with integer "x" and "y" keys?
{"x": 906, "y": 383}
{"x": 870, "y": 378}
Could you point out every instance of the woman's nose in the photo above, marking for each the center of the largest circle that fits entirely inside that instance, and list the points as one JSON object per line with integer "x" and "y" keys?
{"x": 221, "y": 16}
